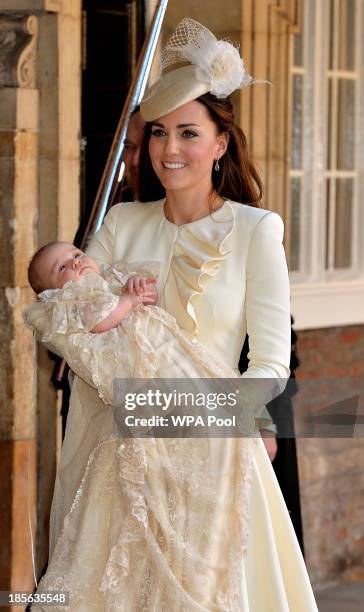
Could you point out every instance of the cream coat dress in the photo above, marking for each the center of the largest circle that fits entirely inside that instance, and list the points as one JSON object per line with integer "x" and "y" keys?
{"x": 221, "y": 277}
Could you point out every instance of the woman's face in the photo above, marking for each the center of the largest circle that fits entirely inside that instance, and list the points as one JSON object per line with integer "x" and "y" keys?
{"x": 184, "y": 146}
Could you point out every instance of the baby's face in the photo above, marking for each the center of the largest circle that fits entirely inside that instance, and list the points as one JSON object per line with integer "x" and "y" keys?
{"x": 64, "y": 262}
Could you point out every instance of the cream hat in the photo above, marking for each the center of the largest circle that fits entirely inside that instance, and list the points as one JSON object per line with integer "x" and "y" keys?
{"x": 172, "y": 91}
{"x": 214, "y": 66}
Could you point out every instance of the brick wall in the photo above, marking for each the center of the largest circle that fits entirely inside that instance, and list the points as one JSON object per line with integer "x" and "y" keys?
{"x": 331, "y": 469}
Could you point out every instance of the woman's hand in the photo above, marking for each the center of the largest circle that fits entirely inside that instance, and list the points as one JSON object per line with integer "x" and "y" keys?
{"x": 143, "y": 287}
{"x": 270, "y": 442}
{"x": 143, "y": 297}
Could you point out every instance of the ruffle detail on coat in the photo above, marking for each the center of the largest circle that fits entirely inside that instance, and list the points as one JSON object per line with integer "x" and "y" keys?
{"x": 199, "y": 251}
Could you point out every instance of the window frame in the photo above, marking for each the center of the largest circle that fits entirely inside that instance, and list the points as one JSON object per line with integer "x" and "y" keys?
{"x": 321, "y": 297}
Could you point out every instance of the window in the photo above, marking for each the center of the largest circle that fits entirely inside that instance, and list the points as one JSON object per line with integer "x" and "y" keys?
{"x": 326, "y": 166}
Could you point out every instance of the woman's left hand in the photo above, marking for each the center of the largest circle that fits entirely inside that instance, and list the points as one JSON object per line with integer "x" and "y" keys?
{"x": 270, "y": 442}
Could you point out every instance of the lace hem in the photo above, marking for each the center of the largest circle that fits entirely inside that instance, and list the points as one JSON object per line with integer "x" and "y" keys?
{"x": 143, "y": 531}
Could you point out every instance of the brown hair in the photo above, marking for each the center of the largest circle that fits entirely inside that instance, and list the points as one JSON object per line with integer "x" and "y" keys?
{"x": 35, "y": 281}
{"x": 237, "y": 179}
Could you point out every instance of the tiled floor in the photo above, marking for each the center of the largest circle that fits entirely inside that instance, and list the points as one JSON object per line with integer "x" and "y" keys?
{"x": 343, "y": 598}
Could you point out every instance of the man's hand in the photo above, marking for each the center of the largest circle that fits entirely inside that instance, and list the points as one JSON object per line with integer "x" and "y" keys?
{"x": 270, "y": 442}
{"x": 144, "y": 288}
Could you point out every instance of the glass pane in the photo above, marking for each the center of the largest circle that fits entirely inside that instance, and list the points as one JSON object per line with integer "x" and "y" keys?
{"x": 343, "y": 223}
{"x": 329, "y": 123}
{"x": 297, "y": 122}
{"x": 347, "y": 11}
{"x": 327, "y": 226}
{"x": 294, "y": 251}
{"x": 345, "y": 124}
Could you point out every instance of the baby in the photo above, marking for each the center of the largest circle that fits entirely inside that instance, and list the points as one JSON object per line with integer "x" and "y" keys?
{"x": 57, "y": 263}
{"x": 105, "y": 324}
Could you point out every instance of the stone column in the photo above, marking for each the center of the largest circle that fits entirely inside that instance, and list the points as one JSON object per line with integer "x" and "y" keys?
{"x": 40, "y": 81}
{"x": 18, "y": 214}
{"x": 266, "y": 38}
{"x": 59, "y": 81}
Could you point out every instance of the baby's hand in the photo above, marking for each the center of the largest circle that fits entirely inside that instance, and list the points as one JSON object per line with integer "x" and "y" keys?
{"x": 144, "y": 288}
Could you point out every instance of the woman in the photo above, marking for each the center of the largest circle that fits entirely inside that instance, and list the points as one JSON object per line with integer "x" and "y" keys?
{"x": 223, "y": 274}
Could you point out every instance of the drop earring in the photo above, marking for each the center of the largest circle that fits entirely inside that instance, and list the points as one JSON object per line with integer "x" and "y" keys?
{"x": 217, "y": 165}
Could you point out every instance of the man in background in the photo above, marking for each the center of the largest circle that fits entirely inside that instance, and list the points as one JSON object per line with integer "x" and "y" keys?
{"x": 128, "y": 190}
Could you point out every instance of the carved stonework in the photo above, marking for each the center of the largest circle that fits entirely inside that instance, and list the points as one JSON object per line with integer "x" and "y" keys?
{"x": 289, "y": 10}
{"x": 53, "y": 5}
{"x": 18, "y": 38}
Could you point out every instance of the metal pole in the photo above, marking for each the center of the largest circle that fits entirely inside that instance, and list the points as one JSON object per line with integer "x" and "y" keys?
{"x": 134, "y": 96}
{"x": 109, "y": 178}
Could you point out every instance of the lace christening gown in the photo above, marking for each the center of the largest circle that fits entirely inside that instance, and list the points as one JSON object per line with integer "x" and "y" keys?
{"x": 127, "y": 532}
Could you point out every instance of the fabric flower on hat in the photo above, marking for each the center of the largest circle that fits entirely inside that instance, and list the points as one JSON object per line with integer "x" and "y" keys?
{"x": 221, "y": 65}
{"x": 217, "y": 62}
{"x": 193, "y": 63}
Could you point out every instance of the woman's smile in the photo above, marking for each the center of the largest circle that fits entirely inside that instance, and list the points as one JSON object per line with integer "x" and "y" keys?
{"x": 173, "y": 165}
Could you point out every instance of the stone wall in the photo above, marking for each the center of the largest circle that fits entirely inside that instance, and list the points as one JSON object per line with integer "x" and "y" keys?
{"x": 19, "y": 98}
